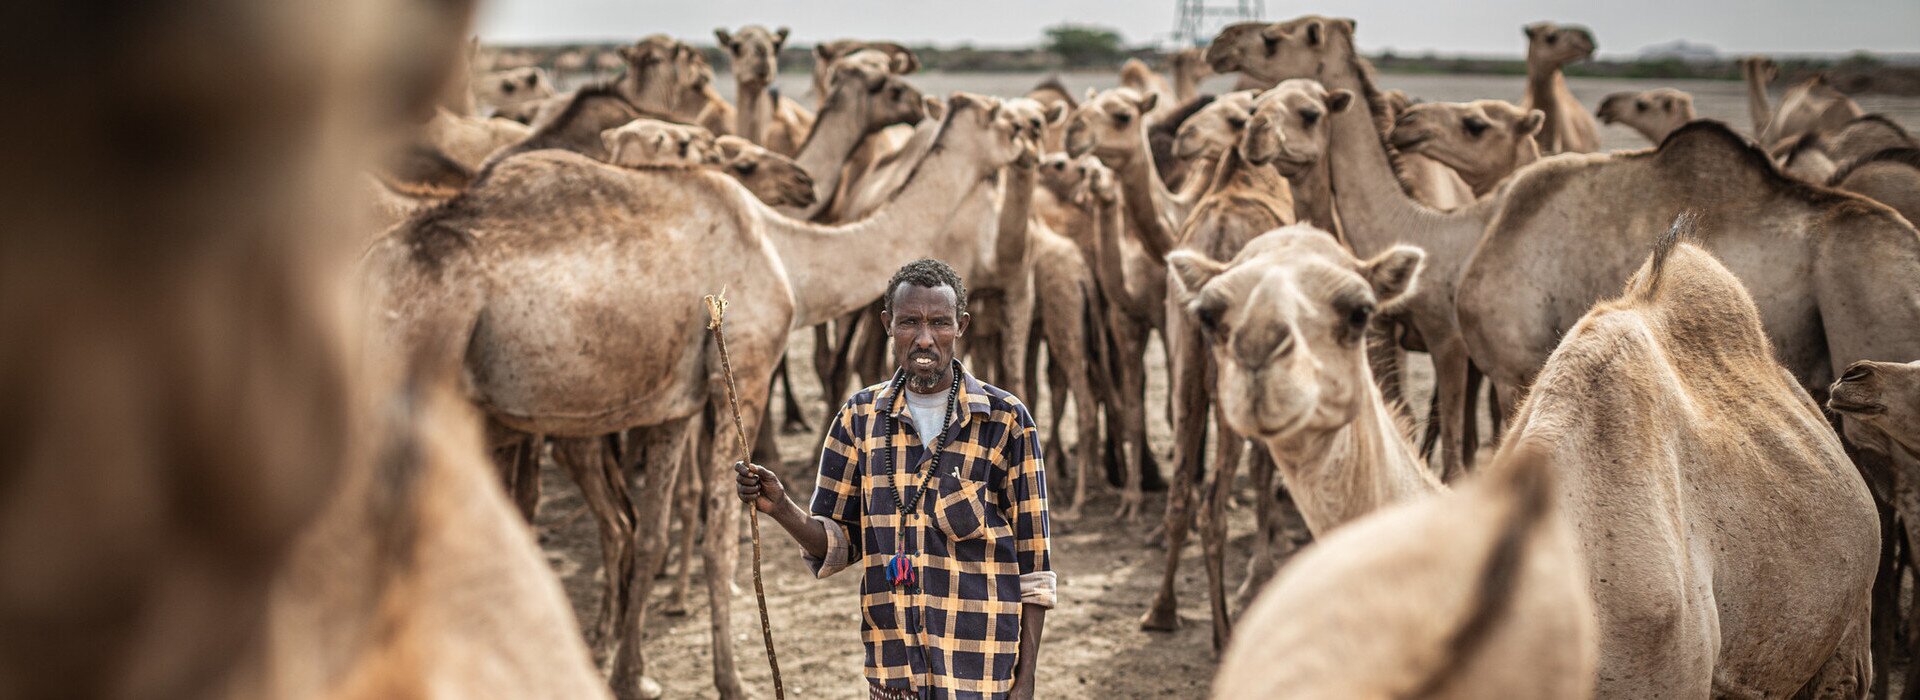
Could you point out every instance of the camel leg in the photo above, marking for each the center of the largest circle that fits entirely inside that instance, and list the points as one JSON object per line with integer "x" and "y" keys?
{"x": 1886, "y": 601}
{"x": 796, "y": 419}
{"x": 519, "y": 465}
{"x": 1469, "y": 420}
{"x": 766, "y": 445}
{"x": 1163, "y": 613}
{"x": 665, "y": 446}
{"x": 1056, "y": 410}
{"x": 1133, "y": 419}
{"x": 1260, "y": 567}
{"x": 872, "y": 357}
{"x": 722, "y": 548}
{"x": 687, "y": 507}
{"x": 612, "y": 509}
{"x": 1188, "y": 374}
{"x": 1450, "y": 390}
{"x": 1213, "y": 529}
{"x": 1016, "y": 333}
{"x": 823, "y": 360}
{"x": 1845, "y": 673}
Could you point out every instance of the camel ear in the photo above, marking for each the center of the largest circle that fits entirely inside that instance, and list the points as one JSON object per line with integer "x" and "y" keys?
{"x": 1316, "y": 33}
{"x": 1057, "y": 113}
{"x": 1091, "y": 93}
{"x": 936, "y": 110}
{"x": 1192, "y": 270}
{"x": 1392, "y": 274}
{"x": 1350, "y": 25}
{"x": 611, "y": 140}
{"x": 1530, "y": 124}
{"x": 1273, "y": 32}
{"x": 1147, "y": 103}
{"x": 725, "y": 37}
{"x": 628, "y": 54}
{"x": 1338, "y": 100}
{"x": 780, "y": 37}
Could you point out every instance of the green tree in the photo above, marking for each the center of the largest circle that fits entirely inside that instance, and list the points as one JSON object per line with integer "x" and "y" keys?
{"x": 1084, "y": 46}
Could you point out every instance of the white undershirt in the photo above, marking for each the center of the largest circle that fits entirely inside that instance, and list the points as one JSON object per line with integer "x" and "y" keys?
{"x": 929, "y": 411}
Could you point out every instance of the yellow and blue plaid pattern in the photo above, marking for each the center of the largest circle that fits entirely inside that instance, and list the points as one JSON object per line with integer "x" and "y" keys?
{"x": 983, "y": 524}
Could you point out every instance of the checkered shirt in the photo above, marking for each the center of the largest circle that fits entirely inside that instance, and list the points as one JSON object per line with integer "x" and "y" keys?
{"x": 978, "y": 538}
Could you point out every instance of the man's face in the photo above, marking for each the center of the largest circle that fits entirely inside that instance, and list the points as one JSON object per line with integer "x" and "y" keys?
{"x": 924, "y": 323}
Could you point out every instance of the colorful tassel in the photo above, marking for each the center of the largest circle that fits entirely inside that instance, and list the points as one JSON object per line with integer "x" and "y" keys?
{"x": 900, "y": 570}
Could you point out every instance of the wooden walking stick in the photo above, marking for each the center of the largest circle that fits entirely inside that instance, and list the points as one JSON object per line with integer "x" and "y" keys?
{"x": 716, "y": 308}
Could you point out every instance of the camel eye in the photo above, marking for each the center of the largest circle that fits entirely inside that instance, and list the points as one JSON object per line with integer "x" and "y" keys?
{"x": 1209, "y": 313}
{"x": 1237, "y": 122}
{"x": 1474, "y": 126}
{"x": 1310, "y": 116}
{"x": 1272, "y": 44}
{"x": 508, "y": 88}
{"x": 1360, "y": 316}
{"x": 1640, "y": 105}
{"x": 1122, "y": 118}
{"x": 745, "y": 167}
{"x": 1553, "y": 39}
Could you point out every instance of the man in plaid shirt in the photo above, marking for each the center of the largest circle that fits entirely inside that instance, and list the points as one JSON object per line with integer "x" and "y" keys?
{"x": 953, "y": 596}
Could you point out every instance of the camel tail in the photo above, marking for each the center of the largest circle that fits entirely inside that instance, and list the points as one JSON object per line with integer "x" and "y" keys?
{"x": 1684, "y": 229}
{"x": 1523, "y": 486}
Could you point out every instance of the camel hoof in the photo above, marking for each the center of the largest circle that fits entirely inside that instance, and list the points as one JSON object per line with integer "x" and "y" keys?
{"x": 1068, "y": 515}
{"x": 675, "y": 610}
{"x": 1160, "y": 620}
{"x": 796, "y": 427}
{"x": 643, "y": 689}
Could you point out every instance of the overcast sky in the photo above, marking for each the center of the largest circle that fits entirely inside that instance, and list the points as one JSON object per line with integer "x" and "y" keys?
{"x": 1408, "y": 26}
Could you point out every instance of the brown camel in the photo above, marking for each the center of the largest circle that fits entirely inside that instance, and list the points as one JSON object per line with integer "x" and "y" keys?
{"x": 473, "y": 279}
{"x": 665, "y": 76}
{"x": 1672, "y": 387}
{"x": 575, "y": 121}
{"x": 764, "y": 117}
{"x": 1890, "y": 177}
{"x": 1569, "y": 128}
{"x": 899, "y": 60}
{"x": 1654, "y": 113}
{"x": 1815, "y": 157}
{"x": 218, "y": 492}
{"x": 1483, "y": 140}
{"x": 1478, "y": 593}
{"x": 1374, "y": 207}
{"x": 1067, "y": 308}
{"x": 1886, "y": 397}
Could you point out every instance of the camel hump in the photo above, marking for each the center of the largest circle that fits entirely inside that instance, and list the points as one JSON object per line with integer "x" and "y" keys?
{"x": 1707, "y": 140}
{"x": 1909, "y": 157}
{"x": 1520, "y": 489}
{"x": 1703, "y": 310}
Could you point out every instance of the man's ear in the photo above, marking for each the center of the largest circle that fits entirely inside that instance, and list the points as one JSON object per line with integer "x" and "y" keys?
{"x": 886, "y": 320}
{"x": 960, "y": 327}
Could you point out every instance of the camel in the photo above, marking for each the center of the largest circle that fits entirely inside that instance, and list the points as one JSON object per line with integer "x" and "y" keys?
{"x": 1863, "y": 137}
{"x": 1478, "y": 593}
{"x": 1886, "y": 397}
{"x": 1670, "y": 389}
{"x": 1164, "y": 133}
{"x": 1135, "y": 75}
{"x": 469, "y": 140}
{"x": 1483, "y": 140}
{"x": 667, "y": 77}
{"x": 513, "y": 94}
{"x": 1654, "y": 113}
{"x": 1758, "y": 71}
{"x": 1813, "y": 106}
{"x": 1067, "y": 314}
{"x": 1189, "y": 67}
{"x": 1890, "y": 177}
{"x": 263, "y": 508}
{"x": 899, "y": 60}
{"x": 764, "y": 116}
{"x": 470, "y": 280}
{"x": 1550, "y": 46}
{"x": 574, "y": 122}
{"x": 1049, "y": 93}
{"x": 773, "y": 178}
{"x": 1374, "y": 208}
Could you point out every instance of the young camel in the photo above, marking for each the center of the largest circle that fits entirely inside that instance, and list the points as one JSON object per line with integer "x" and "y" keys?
{"x": 1375, "y": 209}
{"x": 1654, "y": 113}
{"x": 1569, "y": 129}
{"x": 775, "y": 179}
{"x": 513, "y": 94}
{"x": 1189, "y": 67}
{"x": 473, "y": 280}
{"x": 1067, "y": 313}
{"x": 216, "y": 490}
{"x": 1672, "y": 388}
{"x": 1483, "y": 140}
{"x": 763, "y": 116}
{"x": 1478, "y": 593}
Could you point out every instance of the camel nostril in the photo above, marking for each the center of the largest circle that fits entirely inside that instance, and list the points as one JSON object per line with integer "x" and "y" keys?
{"x": 1857, "y": 373}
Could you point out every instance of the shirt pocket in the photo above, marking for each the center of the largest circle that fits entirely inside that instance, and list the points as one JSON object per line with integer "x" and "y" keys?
{"x": 961, "y": 510}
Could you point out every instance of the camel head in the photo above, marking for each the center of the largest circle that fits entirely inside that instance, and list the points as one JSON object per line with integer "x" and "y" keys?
{"x": 772, "y": 177}
{"x": 755, "y": 52}
{"x": 667, "y": 75}
{"x": 1290, "y": 123}
{"x": 1884, "y": 396}
{"x": 507, "y": 89}
{"x": 1001, "y": 133}
{"x": 1274, "y": 52}
{"x": 1032, "y": 119}
{"x": 1189, "y": 64}
{"x": 652, "y": 142}
{"x": 1654, "y": 113}
{"x": 1111, "y": 124}
{"x": 1287, "y": 322}
{"x": 1759, "y": 69}
{"x": 1552, "y": 45}
{"x": 1485, "y": 140}
{"x": 1215, "y": 128}
{"x": 886, "y": 99}
{"x": 1074, "y": 180}
{"x": 899, "y": 60}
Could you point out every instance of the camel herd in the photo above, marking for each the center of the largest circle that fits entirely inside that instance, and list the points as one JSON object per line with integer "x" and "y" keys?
{"x": 273, "y": 446}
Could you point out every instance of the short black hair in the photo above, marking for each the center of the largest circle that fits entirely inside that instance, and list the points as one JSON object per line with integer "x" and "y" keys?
{"x": 929, "y": 273}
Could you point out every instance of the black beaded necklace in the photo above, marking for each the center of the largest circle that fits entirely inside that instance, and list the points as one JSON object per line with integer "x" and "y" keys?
{"x": 900, "y": 568}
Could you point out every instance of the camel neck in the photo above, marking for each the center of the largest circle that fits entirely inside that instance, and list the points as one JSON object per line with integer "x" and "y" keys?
{"x": 749, "y": 121}
{"x": 1150, "y": 207}
{"x": 1110, "y": 258}
{"x": 1313, "y": 198}
{"x": 1374, "y": 210}
{"x": 1757, "y": 106}
{"x": 1525, "y": 153}
{"x": 1016, "y": 202}
{"x": 841, "y": 125}
{"x": 1547, "y": 92}
{"x": 1344, "y": 474}
{"x": 834, "y": 270}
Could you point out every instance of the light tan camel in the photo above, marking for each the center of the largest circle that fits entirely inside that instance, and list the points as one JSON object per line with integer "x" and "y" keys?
{"x": 764, "y": 117}
{"x": 1189, "y": 67}
{"x": 206, "y": 423}
{"x": 474, "y": 279}
{"x": 1654, "y": 113}
{"x": 667, "y": 77}
{"x": 899, "y": 60}
{"x": 1135, "y": 74}
{"x": 1478, "y": 593}
{"x": 773, "y": 178}
{"x": 1886, "y": 397}
{"x": 1675, "y": 378}
{"x": 1890, "y": 177}
{"x": 1483, "y": 140}
{"x": 1812, "y": 106}
{"x": 1758, "y": 71}
{"x": 1569, "y": 128}
{"x": 1067, "y": 310}
{"x": 1049, "y": 93}
{"x": 855, "y": 147}
{"x": 1863, "y": 137}
{"x": 1374, "y": 207}
{"x": 469, "y": 140}
{"x": 513, "y": 94}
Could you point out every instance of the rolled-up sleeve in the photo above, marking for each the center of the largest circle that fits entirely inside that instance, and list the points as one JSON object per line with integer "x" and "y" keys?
{"x": 1027, "y": 491}
{"x": 836, "y": 497}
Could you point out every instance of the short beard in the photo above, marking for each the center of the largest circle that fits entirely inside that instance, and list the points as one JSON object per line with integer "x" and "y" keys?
{"x": 925, "y": 385}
